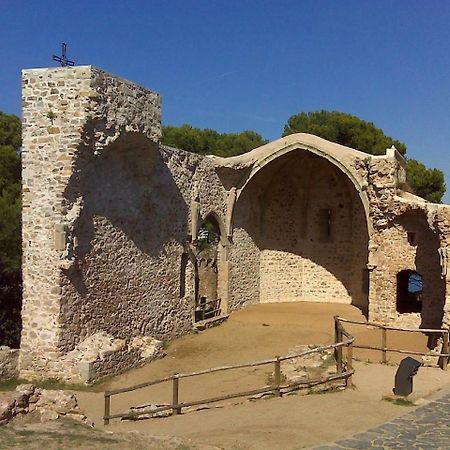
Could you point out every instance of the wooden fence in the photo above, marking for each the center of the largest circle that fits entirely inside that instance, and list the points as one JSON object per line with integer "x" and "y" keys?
{"x": 444, "y": 333}
{"x": 344, "y": 371}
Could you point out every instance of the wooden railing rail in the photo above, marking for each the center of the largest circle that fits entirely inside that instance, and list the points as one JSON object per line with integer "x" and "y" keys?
{"x": 443, "y": 356}
{"x": 276, "y": 388}
{"x": 265, "y": 389}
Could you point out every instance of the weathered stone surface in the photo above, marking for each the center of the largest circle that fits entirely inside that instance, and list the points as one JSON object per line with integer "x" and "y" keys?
{"x": 7, "y": 409}
{"x": 47, "y": 415}
{"x": 148, "y": 346}
{"x": 49, "y": 404}
{"x": 308, "y": 367}
{"x": 9, "y": 363}
{"x": 58, "y": 401}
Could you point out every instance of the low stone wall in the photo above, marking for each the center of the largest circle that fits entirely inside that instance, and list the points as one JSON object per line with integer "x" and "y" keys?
{"x": 100, "y": 355}
{"x": 9, "y": 363}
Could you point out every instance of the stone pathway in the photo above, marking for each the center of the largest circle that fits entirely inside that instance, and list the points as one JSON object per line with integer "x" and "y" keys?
{"x": 427, "y": 427}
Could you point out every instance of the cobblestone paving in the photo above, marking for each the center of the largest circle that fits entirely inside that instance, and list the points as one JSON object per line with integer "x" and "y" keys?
{"x": 427, "y": 427}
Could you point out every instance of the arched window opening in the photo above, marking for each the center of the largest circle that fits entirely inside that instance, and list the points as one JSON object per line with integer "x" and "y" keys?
{"x": 208, "y": 302}
{"x": 409, "y": 291}
{"x": 324, "y": 219}
{"x": 208, "y": 235}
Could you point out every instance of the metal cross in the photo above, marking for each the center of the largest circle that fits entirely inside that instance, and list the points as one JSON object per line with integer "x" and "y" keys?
{"x": 63, "y": 58}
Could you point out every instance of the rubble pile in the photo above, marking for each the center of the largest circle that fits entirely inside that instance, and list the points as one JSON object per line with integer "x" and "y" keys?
{"x": 48, "y": 404}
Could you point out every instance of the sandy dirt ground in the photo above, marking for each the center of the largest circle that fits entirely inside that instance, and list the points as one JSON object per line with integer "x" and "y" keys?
{"x": 294, "y": 421}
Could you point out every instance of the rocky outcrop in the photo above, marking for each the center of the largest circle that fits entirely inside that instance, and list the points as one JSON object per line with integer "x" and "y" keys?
{"x": 48, "y": 404}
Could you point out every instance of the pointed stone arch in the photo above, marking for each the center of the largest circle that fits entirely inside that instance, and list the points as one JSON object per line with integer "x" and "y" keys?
{"x": 297, "y": 261}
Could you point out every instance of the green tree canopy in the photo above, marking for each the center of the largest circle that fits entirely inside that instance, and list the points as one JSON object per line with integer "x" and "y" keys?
{"x": 10, "y": 230}
{"x": 10, "y": 189}
{"x": 426, "y": 183}
{"x": 10, "y": 130}
{"x": 353, "y": 132}
{"x": 207, "y": 141}
{"x": 344, "y": 129}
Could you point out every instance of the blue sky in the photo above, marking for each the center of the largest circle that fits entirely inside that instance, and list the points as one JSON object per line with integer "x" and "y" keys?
{"x": 248, "y": 64}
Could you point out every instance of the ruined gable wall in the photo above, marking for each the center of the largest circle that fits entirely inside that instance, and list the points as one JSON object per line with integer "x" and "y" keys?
{"x": 95, "y": 178}
{"x": 397, "y": 254}
{"x": 442, "y": 220}
{"x": 54, "y": 111}
{"x": 390, "y": 251}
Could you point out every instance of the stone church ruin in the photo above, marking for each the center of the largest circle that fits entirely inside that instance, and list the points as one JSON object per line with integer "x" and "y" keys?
{"x": 115, "y": 253}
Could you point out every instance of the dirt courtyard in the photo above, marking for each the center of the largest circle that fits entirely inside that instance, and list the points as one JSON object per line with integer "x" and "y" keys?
{"x": 294, "y": 421}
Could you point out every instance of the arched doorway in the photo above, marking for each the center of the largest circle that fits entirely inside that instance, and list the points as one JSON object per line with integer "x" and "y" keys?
{"x": 420, "y": 287}
{"x": 308, "y": 225}
{"x": 210, "y": 251}
{"x": 409, "y": 291}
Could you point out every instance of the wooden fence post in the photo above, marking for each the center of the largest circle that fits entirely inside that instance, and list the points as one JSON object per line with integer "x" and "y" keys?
{"x": 277, "y": 377}
{"x": 336, "y": 330}
{"x": 175, "y": 385}
{"x": 350, "y": 363}
{"x": 337, "y": 339}
{"x": 445, "y": 349}
{"x": 107, "y": 408}
{"x": 384, "y": 345}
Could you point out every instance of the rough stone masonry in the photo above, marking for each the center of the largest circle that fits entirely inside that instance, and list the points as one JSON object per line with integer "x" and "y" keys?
{"x": 111, "y": 218}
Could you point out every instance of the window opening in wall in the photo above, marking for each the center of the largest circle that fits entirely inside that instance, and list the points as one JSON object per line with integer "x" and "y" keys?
{"x": 365, "y": 281}
{"x": 409, "y": 291}
{"x": 412, "y": 239}
{"x": 183, "y": 266}
{"x": 324, "y": 225}
{"x": 207, "y": 304}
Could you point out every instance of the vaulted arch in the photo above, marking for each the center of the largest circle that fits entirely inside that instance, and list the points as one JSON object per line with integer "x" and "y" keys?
{"x": 297, "y": 144}
{"x": 306, "y": 215}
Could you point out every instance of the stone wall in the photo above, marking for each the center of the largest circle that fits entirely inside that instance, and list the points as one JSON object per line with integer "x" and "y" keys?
{"x": 101, "y": 250}
{"x": 111, "y": 216}
{"x": 442, "y": 221}
{"x": 396, "y": 254}
{"x": 395, "y": 214}
{"x": 9, "y": 363}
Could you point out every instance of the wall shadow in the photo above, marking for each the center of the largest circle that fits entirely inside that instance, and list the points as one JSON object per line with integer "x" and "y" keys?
{"x": 130, "y": 185}
{"x": 131, "y": 210}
